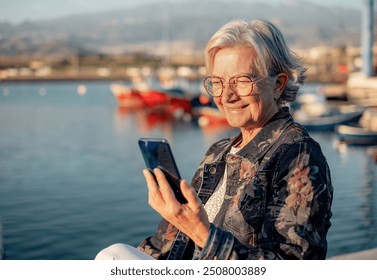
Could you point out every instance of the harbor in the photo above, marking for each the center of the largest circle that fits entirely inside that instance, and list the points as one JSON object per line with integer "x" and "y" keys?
{"x": 71, "y": 180}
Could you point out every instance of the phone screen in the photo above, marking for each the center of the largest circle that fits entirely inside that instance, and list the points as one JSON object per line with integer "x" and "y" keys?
{"x": 157, "y": 154}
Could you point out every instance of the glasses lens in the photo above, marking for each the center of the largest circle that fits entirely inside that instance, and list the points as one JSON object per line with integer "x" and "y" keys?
{"x": 213, "y": 86}
{"x": 243, "y": 85}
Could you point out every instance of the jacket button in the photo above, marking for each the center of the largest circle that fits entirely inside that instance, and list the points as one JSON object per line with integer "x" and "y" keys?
{"x": 212, "y": 170}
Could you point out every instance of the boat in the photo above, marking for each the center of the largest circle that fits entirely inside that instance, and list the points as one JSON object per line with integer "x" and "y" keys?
{"x": 355, "y": 134}
{"x": 179, "y": 103}
{"x": 363, "y": 132}
{"x": 127, "y": 96}
{"x": 152, "y": 98}
{"x": 170, "y": 101}
{"x": 329, "y": 117}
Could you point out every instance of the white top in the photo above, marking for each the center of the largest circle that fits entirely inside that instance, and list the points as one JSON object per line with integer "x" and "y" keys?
{"x": 215, "y": 201}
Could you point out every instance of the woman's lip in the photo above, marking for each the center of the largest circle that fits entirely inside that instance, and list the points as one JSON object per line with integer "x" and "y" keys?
{"x": 235, "y": 108}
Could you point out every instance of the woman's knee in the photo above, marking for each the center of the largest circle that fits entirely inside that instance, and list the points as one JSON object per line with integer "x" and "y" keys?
{"x": 120, "y": 251}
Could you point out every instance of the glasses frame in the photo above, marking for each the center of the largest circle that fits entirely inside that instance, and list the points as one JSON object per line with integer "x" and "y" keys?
{"x": 228, "y": 83}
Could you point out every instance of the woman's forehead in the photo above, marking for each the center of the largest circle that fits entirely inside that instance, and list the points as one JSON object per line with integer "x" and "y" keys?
{"x": 234, "y": 60}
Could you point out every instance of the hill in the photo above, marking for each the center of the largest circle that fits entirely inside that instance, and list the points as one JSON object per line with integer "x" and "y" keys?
{"x": 185, "y": 26}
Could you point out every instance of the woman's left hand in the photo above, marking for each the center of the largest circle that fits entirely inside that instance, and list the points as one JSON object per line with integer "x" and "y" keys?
{"x": 190, "y": 218}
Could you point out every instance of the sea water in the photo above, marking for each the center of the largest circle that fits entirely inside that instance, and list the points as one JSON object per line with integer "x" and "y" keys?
{"x": 71, "y": 173}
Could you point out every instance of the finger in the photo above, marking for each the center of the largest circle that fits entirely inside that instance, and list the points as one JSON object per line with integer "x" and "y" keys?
{"x": 151, "y": 181}
{"x": 154, "y": 194}
{"x": 165, "y": 189}
{"x": 190, "y": 194}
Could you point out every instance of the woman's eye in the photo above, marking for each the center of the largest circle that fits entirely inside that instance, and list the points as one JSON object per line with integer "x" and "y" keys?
{"x": 243, "y": 80}
{"x": 216, "y": 82}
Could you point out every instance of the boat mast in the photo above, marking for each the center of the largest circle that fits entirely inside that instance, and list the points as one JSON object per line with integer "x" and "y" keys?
{"x": 367, "y": 18}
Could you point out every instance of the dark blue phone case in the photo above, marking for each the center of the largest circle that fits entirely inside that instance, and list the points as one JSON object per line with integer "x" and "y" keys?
{"x": 157, "y": 154}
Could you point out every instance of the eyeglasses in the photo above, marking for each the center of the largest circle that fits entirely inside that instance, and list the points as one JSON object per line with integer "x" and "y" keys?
{"x": 241, "y": 85}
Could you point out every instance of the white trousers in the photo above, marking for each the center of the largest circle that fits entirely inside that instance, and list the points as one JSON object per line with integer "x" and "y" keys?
{"x": 120, "y": 251}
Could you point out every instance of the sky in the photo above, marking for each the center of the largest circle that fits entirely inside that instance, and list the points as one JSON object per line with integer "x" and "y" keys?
{"x": 16, "y": 11}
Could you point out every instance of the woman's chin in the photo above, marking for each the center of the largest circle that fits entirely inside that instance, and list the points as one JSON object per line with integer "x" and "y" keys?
{"x": 235, "y": 123}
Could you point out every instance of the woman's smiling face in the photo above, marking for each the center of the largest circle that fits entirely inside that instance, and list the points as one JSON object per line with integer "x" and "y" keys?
{"x": 249, "y": 112}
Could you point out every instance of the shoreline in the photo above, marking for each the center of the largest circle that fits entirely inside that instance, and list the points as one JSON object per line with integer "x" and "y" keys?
{"x": 124, "y": 77}
{"x": 64, "y": 79}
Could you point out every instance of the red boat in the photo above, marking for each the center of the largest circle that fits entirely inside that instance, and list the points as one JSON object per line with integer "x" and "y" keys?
{"x": 170, "y": 101}
{"x": 153, "y": 98}
{"x": 127, "y": 97}
{"x": 180, "y": 104}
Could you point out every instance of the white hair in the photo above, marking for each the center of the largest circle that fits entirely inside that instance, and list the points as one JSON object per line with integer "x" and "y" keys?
{"x": 273, "y": 54}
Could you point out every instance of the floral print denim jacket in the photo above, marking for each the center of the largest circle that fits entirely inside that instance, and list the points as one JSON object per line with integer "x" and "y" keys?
{"x": 277, "y": 203}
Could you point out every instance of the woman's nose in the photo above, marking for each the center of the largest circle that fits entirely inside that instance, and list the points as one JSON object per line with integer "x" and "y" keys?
{"x": 229, "y": 94}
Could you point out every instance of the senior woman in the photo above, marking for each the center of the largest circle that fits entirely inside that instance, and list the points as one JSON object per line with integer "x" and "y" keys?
{"x": 264, "y": 194}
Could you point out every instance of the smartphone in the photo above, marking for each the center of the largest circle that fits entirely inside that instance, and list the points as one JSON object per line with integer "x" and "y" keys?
{"x": 157, "y": 154}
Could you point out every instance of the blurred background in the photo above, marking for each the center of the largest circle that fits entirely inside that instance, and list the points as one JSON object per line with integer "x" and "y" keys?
{"x": 81, "y": 81}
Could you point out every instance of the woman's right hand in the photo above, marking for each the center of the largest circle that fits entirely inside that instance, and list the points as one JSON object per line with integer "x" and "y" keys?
{"x": 190, "y": 218}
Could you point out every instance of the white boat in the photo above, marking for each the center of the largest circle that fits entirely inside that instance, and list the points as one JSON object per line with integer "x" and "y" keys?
{"x": 329, "y": 118}
{"x": 362, "y": 133}
{"x": 356, "y": 135}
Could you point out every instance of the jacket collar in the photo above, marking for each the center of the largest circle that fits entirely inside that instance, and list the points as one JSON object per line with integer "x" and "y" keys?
{"x": 269, "y": 134}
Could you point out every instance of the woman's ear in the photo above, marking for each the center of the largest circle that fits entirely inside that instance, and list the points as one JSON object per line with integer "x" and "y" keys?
{"x": 281, "y": 83}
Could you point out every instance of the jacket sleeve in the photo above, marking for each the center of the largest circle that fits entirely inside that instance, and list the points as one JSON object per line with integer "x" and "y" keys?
{"x": 297, "y": 208}
{"x": 159, "y": 244}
